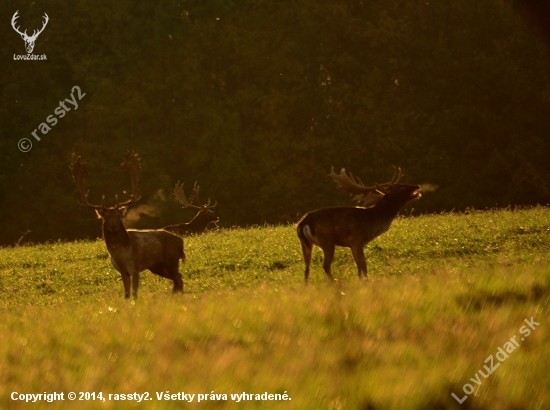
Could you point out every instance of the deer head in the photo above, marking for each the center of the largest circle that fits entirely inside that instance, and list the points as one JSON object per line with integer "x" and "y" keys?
{"x": 205, "y": 210}
{"x": 111, "y": 216}
{"x": 29, "y": 40}
{"x": 372, "y": 194}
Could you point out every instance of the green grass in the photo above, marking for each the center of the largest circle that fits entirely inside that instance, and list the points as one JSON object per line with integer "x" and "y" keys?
{"x": 444, "y": 292}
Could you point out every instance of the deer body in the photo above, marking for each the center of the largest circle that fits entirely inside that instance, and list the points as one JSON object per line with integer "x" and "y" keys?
{"x": 352, "y": 227}
{"x": 346, "y": 226}
{"x": 133, "y": 251}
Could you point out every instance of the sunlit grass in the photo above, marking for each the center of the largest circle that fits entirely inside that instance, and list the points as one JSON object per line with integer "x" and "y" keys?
{"x": 444, "y": 292}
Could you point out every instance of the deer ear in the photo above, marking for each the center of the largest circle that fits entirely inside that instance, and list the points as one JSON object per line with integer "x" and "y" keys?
{"x": 99, "y": 214}
{"x": 380, "y": 191}
{"x": 123, "y": 210}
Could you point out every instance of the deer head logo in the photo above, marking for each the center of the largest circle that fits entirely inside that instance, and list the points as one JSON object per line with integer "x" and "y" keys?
{"x": 29, "y": 40}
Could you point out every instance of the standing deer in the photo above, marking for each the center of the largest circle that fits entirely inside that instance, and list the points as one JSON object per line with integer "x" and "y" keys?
{"x": 354, "y": 227}
{"x": 201, "y": 220}
{"x": 132, "y": 250}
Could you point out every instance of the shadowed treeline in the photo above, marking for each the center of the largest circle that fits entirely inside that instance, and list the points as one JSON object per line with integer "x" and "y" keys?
{"x": 257, "y": 99}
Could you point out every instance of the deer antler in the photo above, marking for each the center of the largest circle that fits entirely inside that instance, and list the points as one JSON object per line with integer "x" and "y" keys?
{"x": 348, "y": 183}
{"x": 80, "y": 172}
{"x": 131, "y": 164}
{"x": 397, "y": 175}
{"x": 362, "y": 193}
{"x": 15, "y": 17}
{"x": 195, "y": 197}
{"x": 179, "y": 193}
{"x": 35, "y": 33}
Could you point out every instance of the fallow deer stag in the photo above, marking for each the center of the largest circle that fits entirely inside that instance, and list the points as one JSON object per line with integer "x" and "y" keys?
{"x": 354, "y": 227}
{"x": 132, "y": 250}
{"x": 201, "y": 220}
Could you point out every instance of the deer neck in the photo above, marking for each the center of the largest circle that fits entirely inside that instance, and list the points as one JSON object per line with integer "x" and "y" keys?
{"x": 388, "y": 208}
{"x": 198, "y": 223}
{"x": 117, "y": 239}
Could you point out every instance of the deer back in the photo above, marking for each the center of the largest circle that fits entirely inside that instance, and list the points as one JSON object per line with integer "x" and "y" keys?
{"x": 344, "y": 226}
{"x": 151, "y": 247}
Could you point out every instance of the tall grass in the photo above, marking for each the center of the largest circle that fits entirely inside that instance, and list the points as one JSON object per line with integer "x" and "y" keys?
{"x": 444, "y": 292}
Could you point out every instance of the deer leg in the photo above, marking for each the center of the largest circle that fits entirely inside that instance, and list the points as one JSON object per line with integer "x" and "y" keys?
{"x": 135, "y": 283}
{"x": 178, "y": 283}
{"x": 126, "y": 279}
{"x": 175, "y": 275}
{"x": 169, "y": 273}
{"x": 328, "y": 251}
{"x": 307, "y": 250}
{"x": 359, "y": 257}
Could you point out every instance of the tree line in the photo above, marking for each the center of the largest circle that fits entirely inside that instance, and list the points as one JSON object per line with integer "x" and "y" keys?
{"x": 257, "y": 100}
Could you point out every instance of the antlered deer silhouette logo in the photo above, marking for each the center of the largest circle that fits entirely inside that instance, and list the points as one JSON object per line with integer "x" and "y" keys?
{"x": 29, "y": 40}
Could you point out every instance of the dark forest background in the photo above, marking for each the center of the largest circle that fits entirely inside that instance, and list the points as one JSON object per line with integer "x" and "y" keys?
{"x": 257, "y": 99}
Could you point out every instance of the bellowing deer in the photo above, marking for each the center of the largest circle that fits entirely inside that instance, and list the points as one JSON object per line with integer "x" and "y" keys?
{"x": 201, "y": 220}
{"x": 353, "y": 227}
{"x": 133, "y": 250}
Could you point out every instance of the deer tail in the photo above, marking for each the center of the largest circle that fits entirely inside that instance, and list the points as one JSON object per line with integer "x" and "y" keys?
{"x": 305, "y": 234}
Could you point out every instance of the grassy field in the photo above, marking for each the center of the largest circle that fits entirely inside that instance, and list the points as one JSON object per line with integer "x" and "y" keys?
{"x": 444, "y": 293}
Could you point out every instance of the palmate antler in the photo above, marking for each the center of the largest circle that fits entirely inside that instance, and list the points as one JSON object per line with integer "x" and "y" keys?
{"x": 179, "y": 194}
{"x": 366, "y": 195}
{"x": 132, "y": 164}
{"x": 80, "y": 172}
